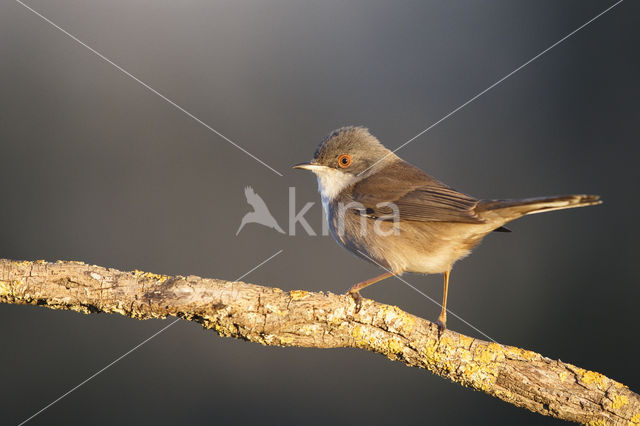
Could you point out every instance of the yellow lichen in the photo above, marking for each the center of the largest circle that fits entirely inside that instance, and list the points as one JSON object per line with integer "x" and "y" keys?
{"x": 477, "y": 367}
{"x": 523, "y": 353}
{"x": 222, "y": 331}
{"x": 157, "y": 277}
{"x": 489, "y": 353}
{"x": 440, "y": 354}
{"x": 298, "y": 294}
{"x": 398, "y": 319}
{"x": 359, "y": 337}
{"x": 390, "y": 347}
{"x": 394, "y": 346}
{"x": 597, "y": 422}
{"x": 598, "y": 379}
{"x": 479, "y": 376}
{"x": 470, "y": 368}
{"x": 150, "y": 275}
{"x": 283, "y": 340}
{"x": 5, "y": 288}
{"x": 619, "y": 401}
{"x": 635, "y": 420}
{"x": 336, "y": 317}
{"x": 465, "y": 340}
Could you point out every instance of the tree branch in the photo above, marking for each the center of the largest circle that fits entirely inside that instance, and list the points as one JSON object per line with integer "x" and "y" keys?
{"x": 299, "y": 318}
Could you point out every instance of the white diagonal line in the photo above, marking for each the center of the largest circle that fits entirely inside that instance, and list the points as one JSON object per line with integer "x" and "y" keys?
{"x": 151, "y": 89}
{"x": 259, "y": 265}
{"x": 101, "y": 370}
{"x": 427, "y": 296}
{"x": 157, "y": 333}
{"x": 496, "y": 83}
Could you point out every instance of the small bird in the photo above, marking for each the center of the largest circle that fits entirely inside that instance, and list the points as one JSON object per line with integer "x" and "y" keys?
{"x": 260, "y": 213}
{"x": 392, "y": 214}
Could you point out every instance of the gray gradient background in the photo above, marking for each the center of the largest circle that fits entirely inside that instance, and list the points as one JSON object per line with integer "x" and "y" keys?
{"x": 96, "y": 168}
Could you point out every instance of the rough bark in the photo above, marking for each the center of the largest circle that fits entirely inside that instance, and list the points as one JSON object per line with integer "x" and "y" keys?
{"x": 271, "y": 316}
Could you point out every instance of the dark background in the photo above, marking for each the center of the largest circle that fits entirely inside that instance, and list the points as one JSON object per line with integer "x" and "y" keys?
{"x": 94, "y": 167}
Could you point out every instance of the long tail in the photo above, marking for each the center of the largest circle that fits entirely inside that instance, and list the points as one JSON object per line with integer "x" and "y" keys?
{"x": 512, "y": 209}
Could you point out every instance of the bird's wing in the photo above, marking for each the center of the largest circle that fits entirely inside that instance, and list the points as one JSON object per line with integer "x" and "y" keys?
{"x": 417, "y": 196}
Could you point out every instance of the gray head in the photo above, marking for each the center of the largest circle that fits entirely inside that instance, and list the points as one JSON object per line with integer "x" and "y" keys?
{"x": 351, "y": 150}
{"x": 345, "y": 156}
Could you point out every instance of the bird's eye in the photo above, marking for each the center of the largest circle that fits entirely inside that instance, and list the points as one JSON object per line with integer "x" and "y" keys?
{"x": 344, "y": 160}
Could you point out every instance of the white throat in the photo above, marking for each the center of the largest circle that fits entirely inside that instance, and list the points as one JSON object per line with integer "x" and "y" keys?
{"x": 331, "y": 182}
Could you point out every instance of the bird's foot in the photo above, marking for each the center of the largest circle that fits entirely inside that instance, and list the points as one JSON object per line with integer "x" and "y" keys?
{"x": 357, "y": 299}
{"x": 442, "y": 325}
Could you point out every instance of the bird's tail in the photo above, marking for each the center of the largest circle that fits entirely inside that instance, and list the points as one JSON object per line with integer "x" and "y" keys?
{"x": 512, "y": 209}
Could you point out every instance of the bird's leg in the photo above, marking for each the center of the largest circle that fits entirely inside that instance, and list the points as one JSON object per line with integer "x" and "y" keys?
{"x": 355, "y": 290}
{"x": 442, "y": 319}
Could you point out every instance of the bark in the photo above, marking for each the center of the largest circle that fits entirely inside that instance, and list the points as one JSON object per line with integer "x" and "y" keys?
{"x": 271, "y": 316}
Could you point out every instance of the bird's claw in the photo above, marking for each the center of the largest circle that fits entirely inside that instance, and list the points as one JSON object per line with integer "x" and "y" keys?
{"x": 357, "y": 299}
{"x": 442, "y": 326}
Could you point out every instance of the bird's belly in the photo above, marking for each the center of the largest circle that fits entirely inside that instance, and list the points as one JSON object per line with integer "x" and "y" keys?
{"x": 434, "y": 247}
{"x": 425, "y": 247}
{"x": 432, "y": 263}
{"x": 421, "y": 257}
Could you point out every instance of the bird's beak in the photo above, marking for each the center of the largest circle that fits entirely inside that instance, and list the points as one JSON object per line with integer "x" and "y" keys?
{"x": 309, "y": 166}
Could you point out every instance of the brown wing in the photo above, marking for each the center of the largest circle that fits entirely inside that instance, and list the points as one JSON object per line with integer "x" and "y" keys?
{"x": 418, "y": 196}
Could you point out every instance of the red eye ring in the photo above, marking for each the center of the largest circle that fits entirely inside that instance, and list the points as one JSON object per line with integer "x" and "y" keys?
{"x": 344, "y": 161}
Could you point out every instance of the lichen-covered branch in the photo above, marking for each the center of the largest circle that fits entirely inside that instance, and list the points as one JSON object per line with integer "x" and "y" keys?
{"x": 299, "y": 318}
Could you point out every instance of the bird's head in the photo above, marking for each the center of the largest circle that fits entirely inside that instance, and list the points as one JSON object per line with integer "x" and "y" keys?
{"x": 348, "y": 150}
{"x": 345, "y": 156}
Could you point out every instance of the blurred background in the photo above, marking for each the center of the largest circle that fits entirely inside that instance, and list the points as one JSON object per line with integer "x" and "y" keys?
{"x": 97, "y": 168}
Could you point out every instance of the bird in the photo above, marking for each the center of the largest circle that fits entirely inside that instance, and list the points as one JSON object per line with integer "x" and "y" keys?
{"x": 260, "y": 213}
{"x": 394, "y": 215}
